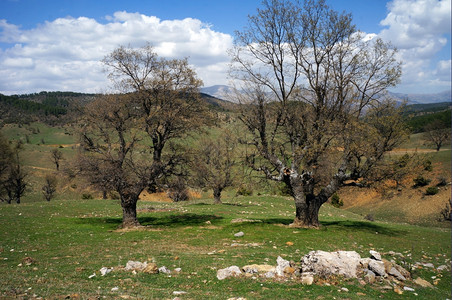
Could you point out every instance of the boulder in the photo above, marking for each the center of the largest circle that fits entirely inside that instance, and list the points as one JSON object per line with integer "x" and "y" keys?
{"x": 394, "y": 272}
{"x": 228, "y": 272}
{"x": 282, "y": 264}
{"x": 378, "y": 267}
{"x": 258, "y": 269}
{"x": 344, "y": 263}
{"x": 375, "y": 255}
{"x": 369, "y": 277}
{"x": 135, "y": 265}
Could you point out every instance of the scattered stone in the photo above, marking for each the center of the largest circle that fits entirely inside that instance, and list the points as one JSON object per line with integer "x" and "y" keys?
{"x": 151, "y": 269}
{"x": 164, "y": 270}
{"x": 394, "y": 272}
{"x": 282, "y": 264}
{"x": 369, "y": 277}
{"x": 422, "y": 282}
{"x": 344, "y": 289}
{"x": 398, "y": 290}
{"x": 375, "y": 255}
{"x": 407, "y": 288}
{"x": 307, "y": 278}
{"x": 135, "y": 265}
{"x": 104, "y": 271}
{"x": 240, "y": 220}
{"x": 442, "y": 268}
{"x": 387, "y": 264}
{"x": 377, "y": 267}
{"x": 228, "y": 272}
{"x": 429, "y": 265}
{"x": 258, "y": 269}
{"x": 239, "y": 234}
{"x": 208, "y": 222}
{"x": 270, "y": 274}
{"x": 115, "y": 289}
{"x": 237, "y": 298}
{"x": 289, "y": 243}
{"x": 402, "y": 271}
{"x": 177, "y": 270}
{"x": 28, "y": 261}
{"x": 342, "y": 263}
{"x": 178, "y": 293}
{"x": 92, "y": 275}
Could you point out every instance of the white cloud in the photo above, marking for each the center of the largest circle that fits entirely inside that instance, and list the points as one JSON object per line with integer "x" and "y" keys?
{"x": 65, "y": 54}
{"x": 419, "y": 29}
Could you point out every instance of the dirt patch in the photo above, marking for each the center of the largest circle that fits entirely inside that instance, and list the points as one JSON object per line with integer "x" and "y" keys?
{"x": 163, "y": 196}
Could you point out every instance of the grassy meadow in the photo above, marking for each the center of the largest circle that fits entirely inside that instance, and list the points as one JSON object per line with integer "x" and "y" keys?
{"x": 49, "y": 250}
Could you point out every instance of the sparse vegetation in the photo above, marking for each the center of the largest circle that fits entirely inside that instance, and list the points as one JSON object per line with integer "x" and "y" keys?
{"x": 431, "y": 190}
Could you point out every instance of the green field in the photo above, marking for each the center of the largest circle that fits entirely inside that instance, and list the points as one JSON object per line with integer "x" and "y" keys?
{"x": 68, "y": 240}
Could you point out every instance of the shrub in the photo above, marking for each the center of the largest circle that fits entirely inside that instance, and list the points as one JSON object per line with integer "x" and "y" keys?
{"x": 446, "y": 212}
{"x": 442, "y": 181}
{"x": 369, "y": 217}
{"x": 336, "y": 201}
{"x": 87, "y": 196}
{"x": 421, "y": 181}
{"x": 428, "y": 165}
{"x": 178, "y": 190}
{"x": 432, "y": 190}
{"x": 244, "y": 191}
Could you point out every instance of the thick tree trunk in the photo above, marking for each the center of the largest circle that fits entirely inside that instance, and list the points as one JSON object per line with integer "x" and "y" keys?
{"x": 307, "y": 211}
{"x": 217, "y": 195}
{"x": 129, "y": 212}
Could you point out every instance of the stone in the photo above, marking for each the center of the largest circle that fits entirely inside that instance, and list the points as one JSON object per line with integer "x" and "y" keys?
{"x": 239, "y": 234}
{"x": 375, "y": 255}
{"x": 387, "y": 264}
{"x": 270, "y": 274}
{"x": 344, "y": 263}
{"x": 178, "y": 293}
{"x": 282, "y": 264}
{"x": 369, "y": 277}
{"x": 115, "y": 289}
{"x": 151, "y": 269}
{"x": 178, "y": 270}
{"x": 307, "y": 278}
{"x": 407, "y": 288}
{"x": 394, "y": 272}
{"x": 442, "y": 268}
{"x": 164, "y": 270}
{"x": 398, "y": 290}
{"x": 135, "y": 265}
{"x": 228, "y": 272}
{"x": 422, "y": 282}
{"x": 402, "y": 271}
{"x": 258, "y": 269}
{"x": 429, "y": 265}
{"x": 377, "y": 267}
{"x": 104, "y": 271}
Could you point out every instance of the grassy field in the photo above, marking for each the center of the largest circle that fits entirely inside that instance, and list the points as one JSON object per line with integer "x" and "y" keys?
{"x": 68, "y": 240}
{"x": 50, "y": 249}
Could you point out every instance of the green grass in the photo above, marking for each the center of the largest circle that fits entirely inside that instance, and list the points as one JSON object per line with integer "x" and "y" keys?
{"x": 72, "y": 239}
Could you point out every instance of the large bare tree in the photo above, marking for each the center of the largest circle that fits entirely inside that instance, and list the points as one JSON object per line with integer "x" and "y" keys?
{"x": 313, "y": 87}
{"x": 128, "y": 136}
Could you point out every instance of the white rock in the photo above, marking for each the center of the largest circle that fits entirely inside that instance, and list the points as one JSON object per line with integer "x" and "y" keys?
{"x": 178, "y": 293}
{"x": 407, "y": 288}
{"x": 344, "y": 289}
{"x": 429, "y": 265}
{"x": 375, "y": 255}
{"x": 442, "y": 267}
{"x": 177, "y": 270}
{"x": 135, "y": 265}
{"x": 164, "y": 270}
{"x": 115, "y": 289}
{"x": 239, "y": 234}
{"x": 282, "y": 265}
{"x": 92, "y": 275}
{"x": 104, "y": 271}
{"x": 307, "y": 278}
{"x": 394, "y": 272}
{"x": 228, "y": 272}
{"x": 344, "y": 263}
{"x": 378, "y": 267}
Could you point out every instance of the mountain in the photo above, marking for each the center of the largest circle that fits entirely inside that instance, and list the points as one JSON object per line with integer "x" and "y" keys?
{"x": 424, "y": 98}
{"x": 223, "y": 92}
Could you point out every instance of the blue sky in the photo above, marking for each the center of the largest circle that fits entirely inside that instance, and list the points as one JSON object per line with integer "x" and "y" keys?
{"x": 57, "y": 45}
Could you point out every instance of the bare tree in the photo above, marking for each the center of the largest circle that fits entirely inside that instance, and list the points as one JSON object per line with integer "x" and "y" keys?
{"x": 128, "y": 136}
{"x": 56, "y": 156}
{"x": 49, "y": 188}
{"x": 15, "y": 183}
{"x": 309, "y": 79}
{"x": 6, "y": 160}
{"x": 213, "y": 165}
{"x": 436, "y": 134}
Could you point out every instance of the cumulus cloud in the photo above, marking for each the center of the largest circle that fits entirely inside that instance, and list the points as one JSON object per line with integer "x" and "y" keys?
{"x": 65, "y": 54}
{"x": 419, "y": 29}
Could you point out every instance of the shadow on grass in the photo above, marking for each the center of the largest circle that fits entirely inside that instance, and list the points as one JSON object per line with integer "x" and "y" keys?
{"x": 341, "y": 225}
{"x": 166, "y": 221}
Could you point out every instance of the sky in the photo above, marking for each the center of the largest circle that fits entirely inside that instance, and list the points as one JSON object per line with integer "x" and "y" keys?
{"x": 57, "y": 45}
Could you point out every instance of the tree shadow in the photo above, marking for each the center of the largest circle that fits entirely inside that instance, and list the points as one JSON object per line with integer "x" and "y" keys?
{"x": 162, "y": 221}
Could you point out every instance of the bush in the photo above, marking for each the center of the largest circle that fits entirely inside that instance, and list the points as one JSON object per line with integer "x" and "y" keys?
{"x": 244, "y": 191}
{"x": 442, "y": 181}
{"x": 336, "y": 201}
{"x": 432, "y": 190}
{"x": 421, "y": 181}
{"x": 178, "y": 190}
{"x": 369, "y": 217}
{"x": 446, "y": 212}
{"x": 87, "y": 196}
{"x": 428, "y": 165}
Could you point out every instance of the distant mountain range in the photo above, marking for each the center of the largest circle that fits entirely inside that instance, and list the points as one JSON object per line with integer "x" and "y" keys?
{"x": 222, "y": 92}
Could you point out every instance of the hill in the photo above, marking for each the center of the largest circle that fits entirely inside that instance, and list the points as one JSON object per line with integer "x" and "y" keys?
{"x": 444, "y": 96}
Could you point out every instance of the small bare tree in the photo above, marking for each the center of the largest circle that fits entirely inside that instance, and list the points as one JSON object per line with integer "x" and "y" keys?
{"x": 50, "y": 186}
{"x": 56, "y": 156}
{"x": 213, "y": 165}
{"x": 436, "y": 134}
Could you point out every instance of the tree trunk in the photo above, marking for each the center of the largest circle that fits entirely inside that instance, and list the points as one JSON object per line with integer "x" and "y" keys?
{"x": 129, "y": 212}
{"x": 307, "y": 211}
{"x": 217, "y": 195}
